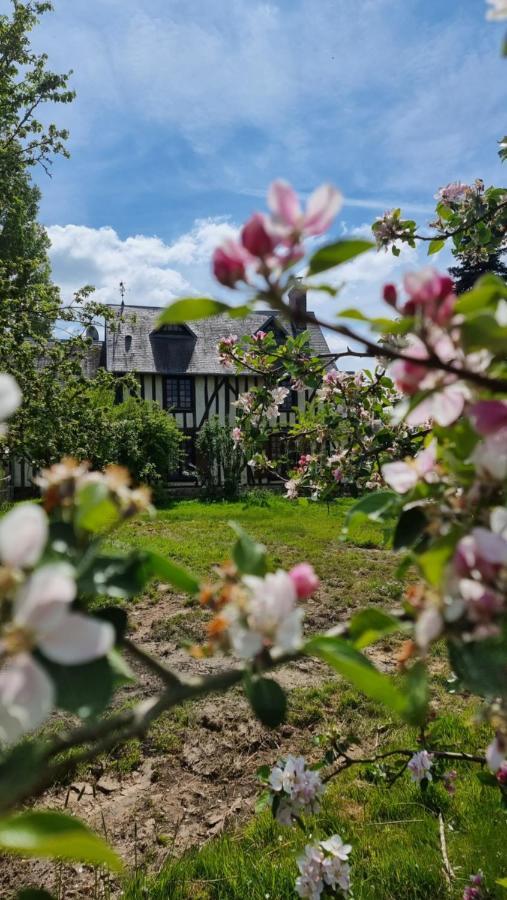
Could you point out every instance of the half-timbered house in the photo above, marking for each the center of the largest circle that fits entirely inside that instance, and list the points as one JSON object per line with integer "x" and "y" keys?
{"x": 178, "y": 366}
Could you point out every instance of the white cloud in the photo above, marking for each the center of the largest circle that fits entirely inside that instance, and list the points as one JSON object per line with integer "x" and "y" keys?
{"x": 154, "y": 272}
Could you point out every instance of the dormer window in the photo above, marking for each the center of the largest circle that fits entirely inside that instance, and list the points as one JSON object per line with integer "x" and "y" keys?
{"x": 172, "y": 331}
{"x": 128, "y": 342}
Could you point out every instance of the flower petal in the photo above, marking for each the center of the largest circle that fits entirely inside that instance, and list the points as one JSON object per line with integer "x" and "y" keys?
{"x": 10, "y": 396}
{"x": 42, "y": 602}
{"x": 27, "y": 697}
{"x": 284, "y": 204}
{"x": 77, "y": 639}
{"x": 23, "y": 535}
{"x": 400, "y": 476}
{"x": 321, "y": 209}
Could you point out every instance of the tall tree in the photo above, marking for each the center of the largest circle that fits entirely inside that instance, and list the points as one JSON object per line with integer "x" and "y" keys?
{"x": 49, "y": 372}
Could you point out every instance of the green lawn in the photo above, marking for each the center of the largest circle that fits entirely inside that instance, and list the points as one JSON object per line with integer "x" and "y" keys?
{"x": 395, "y": 830}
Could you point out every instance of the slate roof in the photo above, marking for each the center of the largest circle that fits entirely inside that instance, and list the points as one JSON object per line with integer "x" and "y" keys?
{"x": 195, "y": 353}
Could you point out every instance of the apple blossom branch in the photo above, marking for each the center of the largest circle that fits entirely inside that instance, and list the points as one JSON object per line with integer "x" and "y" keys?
{"x": 384, "y": 350}
{"x": 107, "y": 733}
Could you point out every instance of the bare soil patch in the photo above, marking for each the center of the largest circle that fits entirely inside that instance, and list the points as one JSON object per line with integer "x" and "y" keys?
{"x": 194, "y": 775}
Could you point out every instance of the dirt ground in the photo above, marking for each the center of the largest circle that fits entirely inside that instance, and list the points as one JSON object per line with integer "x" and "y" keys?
{"x": 195, "y": 777}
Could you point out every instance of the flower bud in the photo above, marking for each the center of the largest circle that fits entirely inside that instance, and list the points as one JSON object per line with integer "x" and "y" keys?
{"x": 390, "y": 294}
{"x": 255, "y": 237}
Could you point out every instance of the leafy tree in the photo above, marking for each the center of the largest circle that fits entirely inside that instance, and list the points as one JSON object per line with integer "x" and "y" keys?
{"x": 219, "y": 460}
{"x": 145, "y": 439}
{"x": 50, "y": 372}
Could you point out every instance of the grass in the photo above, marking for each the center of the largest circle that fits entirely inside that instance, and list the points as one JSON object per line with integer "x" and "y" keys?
{"x": 198, "y": 536}
{"x": 394, "y": 830}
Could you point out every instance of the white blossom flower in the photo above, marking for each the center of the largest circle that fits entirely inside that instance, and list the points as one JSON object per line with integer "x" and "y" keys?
{"x": 429, "y": 627}
{"x": 496, "y": 753}
{"x": 498, "y": 10}
{"x": 10, "y": 398}
{"x": 490, "y": 456}
{"x": 269, "y": 615}
{"x": 23, "y": 536}
{"x": 324, "y": 864}
{"x": 298, "y": 787}
{"x": 291, "y": 488}
{"x": 310, "y": 882}
{"x": 41, "y": 620}
{"x": 420, "y": 766}
{"x": 403, "y": 476}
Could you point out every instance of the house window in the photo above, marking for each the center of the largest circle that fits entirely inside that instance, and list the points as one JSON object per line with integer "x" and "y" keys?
{"x": 179, "y": 393}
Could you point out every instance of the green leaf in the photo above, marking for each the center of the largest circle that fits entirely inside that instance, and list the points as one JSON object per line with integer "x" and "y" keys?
{"x": 115, "y": 576}
{"x": 249, "y": 556}
{"x": 503, "y": 881}
{"x": 370, "y": 625}
{"x": 189, "y": 309}
{"x": 444, "y": 212}
{"x": 409, "y": 528}
{"x": 487, "y": 778}
{"x": 435, "y": 246}
{"x": 432, "y": 562}
{"x": 263, "y": 773}
{"x": 415, "y": 688}
{"x": 54, "y": 835}
{"x": 336, "y": 254}
{"x": 169, "y": 571}
{"x": 377, "y": 506}
{"x": 267, "y": 700}
{"x": 95, "y": 510}
{"x": 483, "y": 331}
{"x": 351, "y": 313}
{"x": 20, "y": 767}
{"x": 85, "y": 689}
{"x": 480, "y": 665}
{"x": 346, "y": 660}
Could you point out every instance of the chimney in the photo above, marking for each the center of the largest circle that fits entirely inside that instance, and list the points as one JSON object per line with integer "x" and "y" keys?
{"x": 297, "y": 302}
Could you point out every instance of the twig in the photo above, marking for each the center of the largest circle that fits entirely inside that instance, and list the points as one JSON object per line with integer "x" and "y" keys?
{"x": 448, "y": 871}
{"x": 151, "y": 662}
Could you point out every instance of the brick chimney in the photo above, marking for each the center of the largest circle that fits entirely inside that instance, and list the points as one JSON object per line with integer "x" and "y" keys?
{"x": 297, "y": 302}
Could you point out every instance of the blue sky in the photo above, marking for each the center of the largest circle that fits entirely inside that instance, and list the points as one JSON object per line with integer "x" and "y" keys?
{"x": 187, "y": 110}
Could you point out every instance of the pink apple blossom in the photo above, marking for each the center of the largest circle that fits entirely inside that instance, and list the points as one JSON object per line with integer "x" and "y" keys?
{"x": 490, "y": 456}
{"x": 431, "y": 294}
{"x": 237, "y": 435}
{"x": 489, "y": 416}
{"x": 403, "y": 476}
{"x": 230, "y": 262}
{"x": 481, "y": 554}
{"x": 288, "y": 219}
{"x": 304, "y": 579}
{"x": 474, "y": 890}
{"x": 256, "y": 238}
{"x": 419, "y": 766}
{"x": 453, "y": 193}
